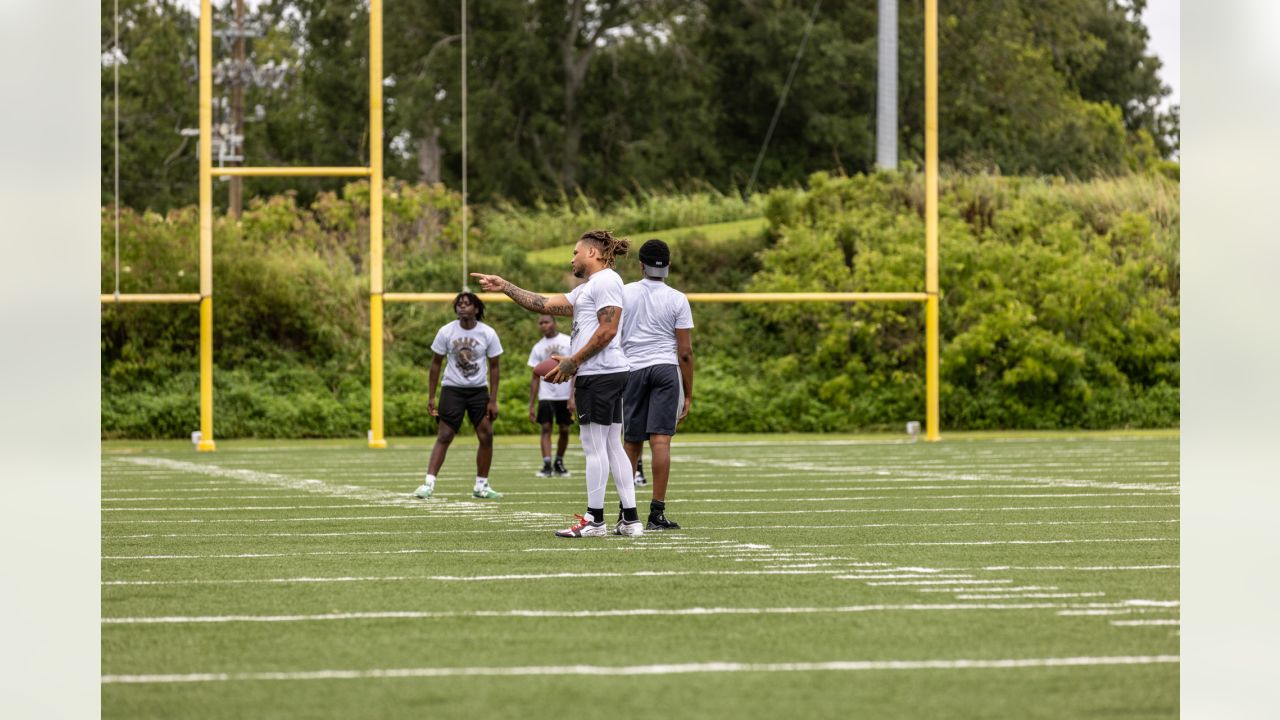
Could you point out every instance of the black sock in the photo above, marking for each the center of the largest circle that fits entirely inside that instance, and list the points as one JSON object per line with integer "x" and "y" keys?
{"x": 597, "y": 514}
{"x": 630, "y": 515}
{"x": 656, "y": 508}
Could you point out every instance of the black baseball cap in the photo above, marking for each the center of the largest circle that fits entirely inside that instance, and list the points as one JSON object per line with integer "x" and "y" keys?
{"x": 655, "y": 256}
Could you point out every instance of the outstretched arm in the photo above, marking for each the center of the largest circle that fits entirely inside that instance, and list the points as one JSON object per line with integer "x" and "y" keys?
{"x": 554, "y": 305}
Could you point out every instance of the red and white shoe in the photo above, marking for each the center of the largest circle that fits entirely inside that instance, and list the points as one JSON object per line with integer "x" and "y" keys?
{"x": 584, "y": 528}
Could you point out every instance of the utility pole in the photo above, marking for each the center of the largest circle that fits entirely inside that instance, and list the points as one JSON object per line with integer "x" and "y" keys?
{"x": 887, "y": 87}
{"x": 234, "y": 204}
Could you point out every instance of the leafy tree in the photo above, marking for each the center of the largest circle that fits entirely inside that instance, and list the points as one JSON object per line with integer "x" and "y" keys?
{"x": 156, "y": 100}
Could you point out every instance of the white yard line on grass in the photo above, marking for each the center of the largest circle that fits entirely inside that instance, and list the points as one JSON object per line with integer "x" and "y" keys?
{"x": 1131, "y": 623}
{"x": 1029, "y": 596}
{"x": 673, "y": 669}
{"x": 468, "y": 578}
{"x": 405, "y": 501}
{"x": 486, "y": 510}
{"x": 1077, "y": 568}
{"x": 898, "y": 510}
{"x": 705, "y": 529}
{"x": 587, "y": 614}
{"x": 1016, "y": 542}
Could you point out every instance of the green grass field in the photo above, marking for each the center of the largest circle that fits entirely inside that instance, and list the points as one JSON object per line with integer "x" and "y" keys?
{"x": 987, "y": 576}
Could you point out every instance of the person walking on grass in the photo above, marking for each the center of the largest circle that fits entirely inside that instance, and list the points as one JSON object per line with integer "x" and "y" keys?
{"x": 657, "y": 337}
{"x": 473, "y": 349}
{"x": 598, "y": 369}
{"x": 550, "y": 401}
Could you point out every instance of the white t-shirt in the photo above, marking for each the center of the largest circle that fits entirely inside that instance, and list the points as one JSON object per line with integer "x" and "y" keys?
{"x": 545, "y": 348}
{"x": 655, "y": 311}
{"x": 604, "y": 289}
{"x": 468, "y": 352}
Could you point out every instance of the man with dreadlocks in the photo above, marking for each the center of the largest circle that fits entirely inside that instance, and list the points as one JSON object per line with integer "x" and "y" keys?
{"x": 473, "y": 349}
{"x": 598, "y": 368}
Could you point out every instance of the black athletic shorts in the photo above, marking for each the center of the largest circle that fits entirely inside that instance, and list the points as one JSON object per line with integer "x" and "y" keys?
{"x": 455, "y": 401}
{"x": 554, "y": 409}
{"x": 651, "y": 402}
{"x": 599, "y": 398}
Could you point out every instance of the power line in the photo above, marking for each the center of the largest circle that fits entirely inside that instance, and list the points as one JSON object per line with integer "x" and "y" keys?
{"x": 786, "y": 88}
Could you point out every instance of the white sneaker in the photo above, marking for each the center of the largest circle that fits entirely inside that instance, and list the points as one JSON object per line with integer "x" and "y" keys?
{"x": 424, "y": 491}
{"x": 639, "y": 480}
{"x": 629, "y": 528}
{"x": 584, "y": 528}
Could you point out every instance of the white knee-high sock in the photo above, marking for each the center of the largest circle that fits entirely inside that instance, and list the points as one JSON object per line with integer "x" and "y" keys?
{"x": 620, "y": 466}
{"x": 596, "y": 450}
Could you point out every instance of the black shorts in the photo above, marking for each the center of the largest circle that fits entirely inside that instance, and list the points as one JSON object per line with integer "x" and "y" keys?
{"x": 599, "y": 398}
{"x": 557, "y": 409}
{"x": 651, "y": 402}
{"x": 455, "y": 401}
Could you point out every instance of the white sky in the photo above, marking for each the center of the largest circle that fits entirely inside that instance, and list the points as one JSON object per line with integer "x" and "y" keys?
{"x": 1162, "y": 19}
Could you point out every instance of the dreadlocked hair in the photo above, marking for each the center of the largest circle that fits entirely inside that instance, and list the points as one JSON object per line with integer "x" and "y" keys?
{"x": 611, "y": 248}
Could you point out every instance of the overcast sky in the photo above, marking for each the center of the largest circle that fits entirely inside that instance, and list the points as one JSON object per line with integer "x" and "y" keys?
{"x": 1162, "y": 21}
{"x": 1161, "y": 18}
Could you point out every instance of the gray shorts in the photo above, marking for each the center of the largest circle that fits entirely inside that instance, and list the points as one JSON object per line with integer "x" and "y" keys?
{"x": 651, "y": 403}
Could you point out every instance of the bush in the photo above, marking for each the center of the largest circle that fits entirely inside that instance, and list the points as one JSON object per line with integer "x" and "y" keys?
{"x": 1059, "y": 306}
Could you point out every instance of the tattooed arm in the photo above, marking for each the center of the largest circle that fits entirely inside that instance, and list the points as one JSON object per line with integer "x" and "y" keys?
{"x": 610, "y": 318}
{"x": 554, "y": 305}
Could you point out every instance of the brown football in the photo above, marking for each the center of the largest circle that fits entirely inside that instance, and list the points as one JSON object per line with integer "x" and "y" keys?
{"x": 546, "y": 366}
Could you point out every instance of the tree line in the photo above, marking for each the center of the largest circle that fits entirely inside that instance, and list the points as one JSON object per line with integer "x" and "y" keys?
{"x": 605, "y": 98}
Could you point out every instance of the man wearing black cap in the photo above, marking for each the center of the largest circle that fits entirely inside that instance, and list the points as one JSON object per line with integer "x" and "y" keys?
{"x": 658, "y": 341}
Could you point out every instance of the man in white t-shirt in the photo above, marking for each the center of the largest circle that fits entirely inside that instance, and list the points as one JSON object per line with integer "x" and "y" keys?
{"x": 598, "y": 369}
{"x": 473, "y": 349}
{"x": 658, "y": 340}
{"x": 550, "y": 401}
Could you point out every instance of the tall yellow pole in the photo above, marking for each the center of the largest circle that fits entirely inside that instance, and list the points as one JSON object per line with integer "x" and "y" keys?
{"x": 206, "y": 227}
{"x": 376, "y": 439}
{"x": 931, "y": 217}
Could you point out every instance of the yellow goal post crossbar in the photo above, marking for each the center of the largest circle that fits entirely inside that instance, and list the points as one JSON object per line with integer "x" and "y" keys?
{"x": 735, "y": 297}
{"x": 376, "y": 295}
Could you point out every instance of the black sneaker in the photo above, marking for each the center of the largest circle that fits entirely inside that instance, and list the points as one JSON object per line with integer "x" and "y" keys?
{"x": 660, "y": 522}
{"x": 560, "y": 469}
{"x": 544, "y": 472}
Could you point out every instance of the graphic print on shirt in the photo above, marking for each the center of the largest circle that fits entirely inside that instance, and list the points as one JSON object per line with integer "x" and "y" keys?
{"x": 465, "y": 354}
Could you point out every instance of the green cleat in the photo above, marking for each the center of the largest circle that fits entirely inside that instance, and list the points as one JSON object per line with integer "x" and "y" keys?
{"x": 487, "y": 493}
{"x": 424, "y": 491}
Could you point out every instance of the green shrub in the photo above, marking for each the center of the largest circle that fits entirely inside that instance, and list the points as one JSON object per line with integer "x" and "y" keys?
{"x": 1059, "y": 306}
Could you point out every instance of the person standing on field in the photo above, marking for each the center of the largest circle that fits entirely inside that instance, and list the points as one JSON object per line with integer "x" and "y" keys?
{"x": 657, "y": 337}
{"x": 550, "y": 401}
{"x": 598, "y": 369}
{"x": 473, "y": 349}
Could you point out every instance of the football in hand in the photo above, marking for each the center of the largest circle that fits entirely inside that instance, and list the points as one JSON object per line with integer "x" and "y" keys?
{"x": 546, "y": 366}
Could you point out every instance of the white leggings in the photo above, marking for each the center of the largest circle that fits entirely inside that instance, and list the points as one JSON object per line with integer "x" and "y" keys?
{"x": 602, "y": 444}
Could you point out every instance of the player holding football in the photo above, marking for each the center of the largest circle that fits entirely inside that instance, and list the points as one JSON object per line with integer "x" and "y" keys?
{"x": 598, "y": 369}
{"x": 657, "y": 338}
{"x": 473, "y": 349}
{"x": 550, "y": 401}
